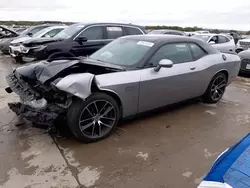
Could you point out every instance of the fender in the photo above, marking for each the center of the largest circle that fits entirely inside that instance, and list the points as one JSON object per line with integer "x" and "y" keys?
{"x": 77, "y": 84}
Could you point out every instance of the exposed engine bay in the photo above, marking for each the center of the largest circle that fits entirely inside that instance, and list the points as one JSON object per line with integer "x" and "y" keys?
{"x": 46, "y": 88}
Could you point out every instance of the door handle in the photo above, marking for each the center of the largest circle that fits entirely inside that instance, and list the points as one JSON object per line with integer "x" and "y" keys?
{"x": 192, "y": 68}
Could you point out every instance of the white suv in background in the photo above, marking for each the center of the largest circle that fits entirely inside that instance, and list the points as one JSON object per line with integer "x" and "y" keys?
{"x": 221, "y": 42}
{"x": 243, "y": 44}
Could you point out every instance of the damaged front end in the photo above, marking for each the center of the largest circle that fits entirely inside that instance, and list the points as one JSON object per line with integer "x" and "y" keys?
{"x": 34, "y": 106}
{"x": 46, "y": 89}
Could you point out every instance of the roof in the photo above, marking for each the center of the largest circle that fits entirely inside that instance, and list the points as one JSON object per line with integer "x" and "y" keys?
{"x": 167, "y": 30}
{"x": 161, "y": 37}
{"x": 57, "y": 26}
{"x": 108, "y": 23}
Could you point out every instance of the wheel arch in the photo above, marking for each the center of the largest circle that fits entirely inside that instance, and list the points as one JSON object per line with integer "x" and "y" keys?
{"x": 112, "y": 93}
{"x": 224, "y": 71}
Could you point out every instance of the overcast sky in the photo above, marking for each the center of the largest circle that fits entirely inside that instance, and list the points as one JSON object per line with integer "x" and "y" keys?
{"x": 224, "y": 14}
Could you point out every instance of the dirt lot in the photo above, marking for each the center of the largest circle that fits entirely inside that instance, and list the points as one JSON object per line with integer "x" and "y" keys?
{"x": 172, "y": 148}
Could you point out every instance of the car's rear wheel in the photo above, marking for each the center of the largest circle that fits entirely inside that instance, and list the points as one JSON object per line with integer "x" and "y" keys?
{"x": 94, "y": 118}
{"x": 18, "y": 59}
{"x": 216, "y": 88}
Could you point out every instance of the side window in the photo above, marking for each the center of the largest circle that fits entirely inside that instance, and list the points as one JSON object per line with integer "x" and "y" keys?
{"x": 197, "y": 51}
{"x": 214, "y": 39}
{"x": 93, "y": 33}
{"x": 175, "y": 33}
{"x": 222, "y": 39}
{"x": 132, "y": 31}
{"x": 52, "y": 33}
{"x": 177, "y": 52}
{"x": 168, "y": 33}
{"x": 114, "y": 32}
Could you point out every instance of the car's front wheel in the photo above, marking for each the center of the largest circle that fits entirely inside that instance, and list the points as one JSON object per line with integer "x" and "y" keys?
{"x": 94, "y": 118}
{"x": 216, "y": 88}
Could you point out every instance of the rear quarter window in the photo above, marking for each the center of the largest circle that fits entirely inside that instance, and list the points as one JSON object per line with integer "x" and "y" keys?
{"x": 197, "y": 51}
{"x": 132, "y": 31}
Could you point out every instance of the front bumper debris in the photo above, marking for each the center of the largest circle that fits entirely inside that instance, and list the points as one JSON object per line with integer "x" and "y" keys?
{"x": 25, "y": 92}
{"x": 37, "y": 116}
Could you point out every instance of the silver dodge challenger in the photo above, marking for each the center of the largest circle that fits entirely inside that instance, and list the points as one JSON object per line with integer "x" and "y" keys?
{"x": 130, "y": 75}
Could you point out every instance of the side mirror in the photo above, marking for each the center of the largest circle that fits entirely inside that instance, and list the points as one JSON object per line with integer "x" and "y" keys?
{"x": 211, "y": 42}
{"x": 29, "y": 34}
{"x": 166, "y": 63}
{"x": 81, "y": 39}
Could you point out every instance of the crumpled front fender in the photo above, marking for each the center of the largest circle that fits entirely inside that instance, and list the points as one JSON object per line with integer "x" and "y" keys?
{"x": 77, "y": 84}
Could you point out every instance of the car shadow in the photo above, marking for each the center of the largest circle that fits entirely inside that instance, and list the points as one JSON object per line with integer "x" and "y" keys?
{"x": 158, "y": 111}
{"x": 62, "y": 130}
{"x": 245, "y": 75}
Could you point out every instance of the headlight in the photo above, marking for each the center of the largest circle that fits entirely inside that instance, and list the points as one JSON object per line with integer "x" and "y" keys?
{"x": 24, "y": 49}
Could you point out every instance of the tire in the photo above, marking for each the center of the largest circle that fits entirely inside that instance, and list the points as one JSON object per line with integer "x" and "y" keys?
{"x": 221, "y": 79}
{"x": 18, "y": 59}
{"x": 83, "y": 115}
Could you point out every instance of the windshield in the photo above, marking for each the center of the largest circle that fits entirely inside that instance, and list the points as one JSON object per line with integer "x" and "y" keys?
{"x": 41, "y": 32}
{"x": 122, "y": 51}
{"x": 69, "y": 31}
{"x": 202, "y": 37}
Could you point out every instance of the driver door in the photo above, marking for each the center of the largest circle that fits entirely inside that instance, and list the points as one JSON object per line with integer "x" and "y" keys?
{"x": 168, "y": 85}
{"x": 95, "y": 41}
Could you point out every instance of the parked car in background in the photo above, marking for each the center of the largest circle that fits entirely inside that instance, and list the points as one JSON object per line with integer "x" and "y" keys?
{"x": 167, "y": 32}
{"x": 202, "y": 32}
{"x": 80, "y": 39}
{"x": 17, "y": 50}
{"x": 7, "y": 32}
{"x": 128, "y": 76}
{"x": 20, "y": 30}
{"x": 5, "y": 42}
{"x": 245, "y": 61}
{"x": 243, "y": 44}
{"x": 221, "y": 42}
{"x": 188, "y": 33}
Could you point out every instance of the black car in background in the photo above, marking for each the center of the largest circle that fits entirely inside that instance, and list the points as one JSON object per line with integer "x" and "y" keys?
{"x": 78, "y": 40}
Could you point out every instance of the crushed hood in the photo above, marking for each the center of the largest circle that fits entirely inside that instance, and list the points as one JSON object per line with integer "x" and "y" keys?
{"x": 45, "y": 71}
{"x": 38, "y": 41}
{"x": 21, "y": 39}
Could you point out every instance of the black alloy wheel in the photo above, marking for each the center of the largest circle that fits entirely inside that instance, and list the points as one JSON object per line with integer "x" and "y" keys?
{"x": 97, "y": 119}
{"x": 216, "y": 88}
{"x": 93, "y": 119}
